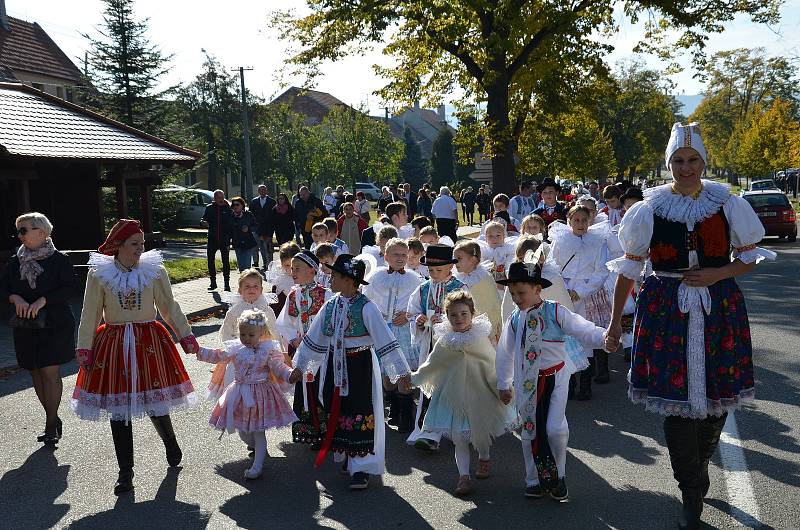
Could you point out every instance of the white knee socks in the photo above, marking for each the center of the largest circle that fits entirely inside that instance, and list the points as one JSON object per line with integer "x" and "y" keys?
{"x": 260, "y": 444}
{"x": 462, "y": 455}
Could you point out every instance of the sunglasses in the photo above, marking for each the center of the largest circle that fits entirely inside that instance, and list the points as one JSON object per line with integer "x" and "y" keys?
{"x": 24, "y": 230}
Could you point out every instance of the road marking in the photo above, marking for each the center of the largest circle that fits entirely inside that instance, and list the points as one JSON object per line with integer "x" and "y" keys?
{"x": 741, "y": 499}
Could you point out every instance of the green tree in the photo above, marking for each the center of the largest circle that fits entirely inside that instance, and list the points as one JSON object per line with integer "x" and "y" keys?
{"x": 292, "y": 147}
{"x": 513, "y": 56}
{"x": 412, "y": 167}
{"x": 766, "y": 142}
{"x": 442, "y": 163}
{"x": 126, "y": 69}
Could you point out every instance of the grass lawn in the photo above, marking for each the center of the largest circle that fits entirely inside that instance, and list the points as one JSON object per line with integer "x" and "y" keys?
{"x": 181, "y": 270}
{"x": 187, "y": 236}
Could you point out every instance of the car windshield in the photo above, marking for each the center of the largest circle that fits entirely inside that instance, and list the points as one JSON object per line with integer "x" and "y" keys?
{"x": 763, "y": 185}
{"x": 773, "y": 199}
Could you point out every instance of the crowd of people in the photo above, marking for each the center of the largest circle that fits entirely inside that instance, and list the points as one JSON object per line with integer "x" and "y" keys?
{"x": 401, "y": 323}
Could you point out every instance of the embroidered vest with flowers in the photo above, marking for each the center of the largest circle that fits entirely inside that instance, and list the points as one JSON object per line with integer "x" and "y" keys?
{"x": 355, "y": 326}
{"x": 672, "y": 241}
{"x": 311, "y": 301}
{"x": 428, "y": 302}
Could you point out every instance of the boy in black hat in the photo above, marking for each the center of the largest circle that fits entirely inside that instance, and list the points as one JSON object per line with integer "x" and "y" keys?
{"x": 551, "y": 209}
{"x": 351, "y": 338}
{"x": 303, "y": 302}
{"x": 533, "y": 368}
{"x": 425, "y": 309}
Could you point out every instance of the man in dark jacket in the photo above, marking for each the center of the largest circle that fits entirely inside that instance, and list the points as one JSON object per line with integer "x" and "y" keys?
{"x": 261, "y": 207}
{"x": 410, "y": 198}
{"x": 218, "y": 217}
{"x": 308, "y": 210}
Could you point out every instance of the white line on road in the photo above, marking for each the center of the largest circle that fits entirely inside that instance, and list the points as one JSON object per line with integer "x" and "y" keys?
{"x": 741, "y": 499}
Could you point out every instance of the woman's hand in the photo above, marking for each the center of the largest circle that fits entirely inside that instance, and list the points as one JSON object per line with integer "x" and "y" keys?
{"x": 613, "y": 335}
{"x": 702, "y": 277}
{"x": 20, "y": 305}
{"x": 505, "y": 396}
{"x": 34, "y": 308}
{"x": 611, "y": 344}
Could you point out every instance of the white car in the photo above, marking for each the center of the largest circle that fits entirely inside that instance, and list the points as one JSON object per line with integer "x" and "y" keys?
{"x": 371, "y": 191}
{"x": 194, "y": 206}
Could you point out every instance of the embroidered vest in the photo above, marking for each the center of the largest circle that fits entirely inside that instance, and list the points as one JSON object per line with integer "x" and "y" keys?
{"x": 453, "y": 284}
{"x": 672, "y": 241}
{"x": 559, "y": 212}
{"x": 552, "y": 330}
{"x": 307, "y": 312}
{"x": 355, "y": 326}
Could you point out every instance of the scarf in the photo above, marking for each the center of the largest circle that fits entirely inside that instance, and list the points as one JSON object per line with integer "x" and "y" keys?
{"x": 527, "y": 349}
{"x": 29, "y": 267}
{"x": 341, "y": 320}
{"x": 282, "y": 208}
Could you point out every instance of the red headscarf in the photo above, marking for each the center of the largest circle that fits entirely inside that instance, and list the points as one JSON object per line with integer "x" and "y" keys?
{"x": 119, "y": 233}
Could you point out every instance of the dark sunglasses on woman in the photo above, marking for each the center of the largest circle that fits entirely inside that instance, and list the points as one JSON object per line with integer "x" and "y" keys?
{"x": 24, "y": 230}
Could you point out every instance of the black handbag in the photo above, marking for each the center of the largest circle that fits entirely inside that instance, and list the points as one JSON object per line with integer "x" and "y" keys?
{"x": 39, "y": 322}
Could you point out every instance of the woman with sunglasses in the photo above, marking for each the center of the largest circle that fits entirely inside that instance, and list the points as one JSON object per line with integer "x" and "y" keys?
{"x": 39, "y": 281}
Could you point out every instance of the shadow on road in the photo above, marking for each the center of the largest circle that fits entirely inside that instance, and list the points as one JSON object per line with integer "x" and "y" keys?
{"x": 40, "y": 479}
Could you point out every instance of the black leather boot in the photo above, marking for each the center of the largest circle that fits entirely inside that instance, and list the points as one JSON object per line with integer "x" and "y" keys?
{"x": 682, "y": 441}
{"x": 163, "y": 425}
{"x": 123, "y": 447}
{"x": 585, "y": 382}
{"x": 601, "y": 367}
{"x": 708, "y": 433}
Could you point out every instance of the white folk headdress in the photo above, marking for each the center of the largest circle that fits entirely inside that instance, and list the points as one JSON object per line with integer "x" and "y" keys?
{"x": 685, "y": 136}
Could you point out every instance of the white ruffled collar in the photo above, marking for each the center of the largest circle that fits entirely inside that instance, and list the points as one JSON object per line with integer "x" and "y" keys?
{"x": 481, "y": 328}
{"x": 121, "y": 281}
{"x": 475, "y": 277}
{"x": 683, "y": 208}
{"x": 262, "y": 301}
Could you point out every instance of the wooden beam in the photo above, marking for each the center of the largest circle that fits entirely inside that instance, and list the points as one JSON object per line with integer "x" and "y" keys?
{"x": 122, "y": 195}
{"x": 147, "y": 210}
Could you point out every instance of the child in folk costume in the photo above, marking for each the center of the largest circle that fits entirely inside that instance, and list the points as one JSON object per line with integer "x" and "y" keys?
{"x": 129, "y": 365}
{"x": 551, "y": 208}
{"x": 279, "y": 274}
{"x": 319, "y": 235}
{"x": 496, "y": 251}
{"x": 480, "y": 283}
{"x": 500, "y": 204}
{"x": 339, "y": 245}
{"x": 390, "y": 288}
{"x": 426, "y": 307}
{"x": 534, "y": 225}
{"x": 303, "y": 304}
{"x": 350, "y": 344}
{"x": 580, "y": 255}
{"x": 374, "y": 254}
{"x": 533, "y": 369}
{"x": 459, "y": 376}
{"x": 250, "y": 297}
{"x": 612, "y": 196}
{"x": 325, "y": 254}
{"x": 415, "y": 252}
{"x": 252, "y": 402}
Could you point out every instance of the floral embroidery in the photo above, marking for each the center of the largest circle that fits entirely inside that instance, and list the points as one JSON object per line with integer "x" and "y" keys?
{"x": 357, "y": 423}
{"x": 662, "y": 252}
{"x": 713, "y": 234}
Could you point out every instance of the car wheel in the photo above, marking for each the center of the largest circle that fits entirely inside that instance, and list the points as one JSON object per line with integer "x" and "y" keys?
{"x": 793, "y": 237}
{"x": 782, "y": 236}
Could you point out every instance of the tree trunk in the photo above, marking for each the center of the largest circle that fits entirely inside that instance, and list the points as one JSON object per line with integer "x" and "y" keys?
{"x": 504, "y": 176}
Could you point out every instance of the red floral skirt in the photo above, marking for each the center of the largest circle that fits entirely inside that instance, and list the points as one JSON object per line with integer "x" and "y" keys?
{"x": 136, "y": 372}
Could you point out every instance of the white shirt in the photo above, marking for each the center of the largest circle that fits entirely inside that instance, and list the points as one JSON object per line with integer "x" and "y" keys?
{"x": 444, "y": 207}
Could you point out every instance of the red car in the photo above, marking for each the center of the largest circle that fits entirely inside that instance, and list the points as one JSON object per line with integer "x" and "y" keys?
{"x": 775, "y": 211}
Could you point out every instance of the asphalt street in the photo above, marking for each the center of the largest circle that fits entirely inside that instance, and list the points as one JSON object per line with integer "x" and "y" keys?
{"x": 618, "y": 471}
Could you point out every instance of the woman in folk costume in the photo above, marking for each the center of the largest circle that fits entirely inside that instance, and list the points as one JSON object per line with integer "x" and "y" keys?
{"x": 350, "y": 344}
{"x": 303, "y": 304}
{"x": 580, "y": 256}
{"x": 480, "y": 282}
{"x": 426, "y": 309}
{"x": 692, "y": 354}
{"x": 390, "y": 288}
{"x": 129, "y": 365}
{"x": 533, "y": 368}
{"x": 459, "y": 377}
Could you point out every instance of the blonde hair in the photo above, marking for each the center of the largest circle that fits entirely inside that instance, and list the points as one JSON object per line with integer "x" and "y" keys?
{"x": 494, "y": 225}
{"x": 253, "y": 317}
{"x": 428, "y": 231}
{"x": 251, "y": 273}
{"x": 36, "y": 220}
{"x": 395, "y": 242}
{"x": 459, "y": 297}
{"x": 387, "y": 232}
{"x": 533, "y": 218}
{"x": 577, "y": 209}
{"x": 470, "y": 247}
{"x": 524, "y": 244}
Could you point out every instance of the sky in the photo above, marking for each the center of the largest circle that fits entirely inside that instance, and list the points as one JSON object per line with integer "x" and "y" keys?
{"x": 237, "y": 33}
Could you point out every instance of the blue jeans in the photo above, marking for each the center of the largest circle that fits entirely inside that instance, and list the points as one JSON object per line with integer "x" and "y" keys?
{"x": 244, "y": 257}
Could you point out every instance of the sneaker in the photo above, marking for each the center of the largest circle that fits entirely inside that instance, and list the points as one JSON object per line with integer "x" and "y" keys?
{"x": 560, "y": 492}
{"x": 484, "y": 469}
{"x": 464, "y": 486}
{"x": 359, "y": 481}
{"x": 535, "y": 492}
{"x": 252, "y": 473}
{"x": 423, "y": 444}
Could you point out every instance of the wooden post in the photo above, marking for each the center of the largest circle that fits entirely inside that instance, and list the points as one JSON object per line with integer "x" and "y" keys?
{"x": 122, "y": 194}
{"x": 147, "y": 210}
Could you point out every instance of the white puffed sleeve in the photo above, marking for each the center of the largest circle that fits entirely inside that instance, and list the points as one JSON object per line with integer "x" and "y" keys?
{"x": 746, "y": 231}
{"x": 387, "y": 349}
{"x": 635, "y": 232}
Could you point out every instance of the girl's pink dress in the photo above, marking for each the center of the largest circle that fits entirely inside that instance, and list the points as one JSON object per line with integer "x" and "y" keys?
{"x": 251, "y": 403}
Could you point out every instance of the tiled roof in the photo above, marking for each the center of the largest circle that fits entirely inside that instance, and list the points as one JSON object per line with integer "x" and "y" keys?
{"x": 323, "y": 98}
{"x": 28, "y": 48}
{"x": 36, "y": 124}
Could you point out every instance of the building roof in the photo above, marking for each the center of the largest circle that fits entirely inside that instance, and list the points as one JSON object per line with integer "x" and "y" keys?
{"x": 36, "y": 124}
{"x": 27, "y": 47}
{"x": 322, "y": 98}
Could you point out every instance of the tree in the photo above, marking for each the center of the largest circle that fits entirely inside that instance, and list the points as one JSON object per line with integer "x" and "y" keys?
{"x": 766, "y": 142}
{"x": 292, "y": 147}
{"x": 412, "y": 167}
{"x": 514, "y": 56}
{"x": 442, "y": 163}
{"x": 126, "y": 68}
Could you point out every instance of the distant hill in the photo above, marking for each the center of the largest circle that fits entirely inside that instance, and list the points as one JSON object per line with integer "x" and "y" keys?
{"x": 689, "y": 103}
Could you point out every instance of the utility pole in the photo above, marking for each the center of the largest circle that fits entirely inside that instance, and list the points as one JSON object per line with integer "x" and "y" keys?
{"x": 247, "y": 180}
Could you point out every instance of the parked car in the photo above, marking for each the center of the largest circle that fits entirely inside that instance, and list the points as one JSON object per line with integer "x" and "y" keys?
{"x": 371, "y": 191}
{"x": 766, "y": 184}
{"x": 194, "y": 204}
{"x": 775, "y": 212}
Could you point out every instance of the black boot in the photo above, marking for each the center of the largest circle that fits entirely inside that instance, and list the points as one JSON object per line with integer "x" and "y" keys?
{"x": 601, "y": 365}
{"x": 573, "y": 382}
{"x": 123, "y": 447}
{"x": 585, "y": 382}
{"x": 227, "y": 286}
{"x": 708, "y": 433}
{"x": 393, "y": 417}
{"x": 163, "y": 425}
{"x": 405, "y": 406}
{"x": 681, "y": 435}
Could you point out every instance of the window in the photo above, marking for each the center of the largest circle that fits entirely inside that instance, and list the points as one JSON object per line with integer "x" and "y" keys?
{"x": 70, "y": 95}
{"x": 772, "y": 199}
{"x": 38, "y": 86}
{"x": 60, "y": 91}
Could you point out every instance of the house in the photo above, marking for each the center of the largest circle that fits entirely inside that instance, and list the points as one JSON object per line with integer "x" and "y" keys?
{"x": 56, "y": 156}
{"x": 425, "y": 125}
{"x": 29, "y": 55}
{"x": 312, "y": 104}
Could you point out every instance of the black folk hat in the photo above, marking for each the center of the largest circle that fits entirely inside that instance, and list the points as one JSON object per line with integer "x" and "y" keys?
{"x": 436, "y": 255}
{"x": 525, "y": 272}
{"x": 348, "y": 265}
{"x": 547, "y": 183}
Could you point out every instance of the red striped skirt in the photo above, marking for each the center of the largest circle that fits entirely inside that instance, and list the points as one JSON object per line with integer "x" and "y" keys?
{"x": 136, "y": 372}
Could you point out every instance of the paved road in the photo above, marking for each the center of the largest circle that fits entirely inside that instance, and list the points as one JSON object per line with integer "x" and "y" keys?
{"x": 618, "y": 471}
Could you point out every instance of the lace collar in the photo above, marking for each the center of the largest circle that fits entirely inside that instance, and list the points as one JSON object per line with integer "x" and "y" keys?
{"x": 262, "y": 301}
{"x": 481, "y": 328}
{"x": 685, "y": 209}
{"x": 121, "y": 281}
{"x": 475, "y": 277}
